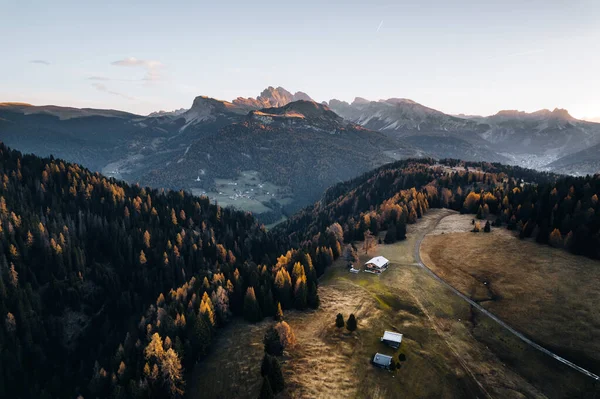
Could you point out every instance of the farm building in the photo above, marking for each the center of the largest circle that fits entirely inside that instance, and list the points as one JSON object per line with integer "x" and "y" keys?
{"x": 382, "y": 361}
{"x": 377, "y": 265}
{"x": 392, "y": 339}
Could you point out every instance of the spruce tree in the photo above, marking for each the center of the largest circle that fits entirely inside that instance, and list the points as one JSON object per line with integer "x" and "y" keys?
{"x": 351, "y": 323}
{"x": 313, "y": 299}
{"x": 252, "y": 310}
{"x": 272, "y": 342}
{"x": 339, "y": 321}
{"x": 390, "y": 236}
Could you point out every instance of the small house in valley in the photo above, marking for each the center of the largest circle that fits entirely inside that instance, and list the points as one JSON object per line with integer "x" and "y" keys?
{"x": 382, "y": 361}
{"x": 392, "y": 339}
{"x": 377, "y": 265}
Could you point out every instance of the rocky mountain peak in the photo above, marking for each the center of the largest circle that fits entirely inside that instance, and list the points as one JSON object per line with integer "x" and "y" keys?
{"x": 271, "y": 97}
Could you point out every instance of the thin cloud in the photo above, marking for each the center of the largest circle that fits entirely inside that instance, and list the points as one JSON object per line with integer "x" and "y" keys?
{"x": 99, "y": 78}
{"x": 152, "y": 67}
{"x": 102, "y": 87}
{"x": 42, "y": 62}
{"x": 380, "y": 25}
{"x": 518, "y": 54}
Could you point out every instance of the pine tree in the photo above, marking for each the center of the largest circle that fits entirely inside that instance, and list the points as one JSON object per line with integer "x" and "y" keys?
{"x": 390, "y": 236}
{"x": 487, "y": 228}
{"x": 142, "y": 258}
{"x": 300, "y": 293}
{"x": 313, "y": 299}
{"x": 339, "y": 321}
{"x": 351, "y": 323}
{"x": 286, "y": 334}
{"x": 272, "y": 342}
{"x": 279, "y": 312}
{"x": 252, "y": 310}
{"x": 556, "y": 239}
{"x": 172, "y": 374}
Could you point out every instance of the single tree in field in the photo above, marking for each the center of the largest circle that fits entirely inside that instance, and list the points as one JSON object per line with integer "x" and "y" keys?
{"x": 279, "y": 312}
{"x": 339, "y": 321}
{"x": 487, "y": 227}
{"x": 351, "y": 323}
{"x": 350, "y": 254}
{"x": 369, "y": 241}
{"x": 272, "y": 342}
{"x": 286, "y": 334}
{"x": 480, "y": 212}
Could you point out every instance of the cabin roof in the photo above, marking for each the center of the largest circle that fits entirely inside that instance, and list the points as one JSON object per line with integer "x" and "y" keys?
{"x": 382, "y": 360}
{"x": 378, "y": 261}
{"x": 392, "y": 336}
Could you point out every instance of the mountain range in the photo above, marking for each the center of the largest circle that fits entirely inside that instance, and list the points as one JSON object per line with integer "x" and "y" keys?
{"x": 290, "y": 143}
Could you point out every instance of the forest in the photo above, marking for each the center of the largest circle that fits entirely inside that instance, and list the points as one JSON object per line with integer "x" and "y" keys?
{"x": 116, "y": 290}
{"x": 561, "y": 211}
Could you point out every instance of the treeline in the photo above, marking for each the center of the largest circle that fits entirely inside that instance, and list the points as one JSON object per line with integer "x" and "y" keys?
{"x": 84, "y": 261}
{"x": 368, "y": 204}
{"x": 560, "y": 211}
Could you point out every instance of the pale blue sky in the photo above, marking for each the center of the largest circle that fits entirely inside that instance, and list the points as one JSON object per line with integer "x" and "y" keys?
{"x": 472, "y": 57}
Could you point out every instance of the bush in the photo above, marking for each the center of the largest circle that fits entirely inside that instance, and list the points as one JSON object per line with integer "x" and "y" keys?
{"x": 339, "y": 321}
{"x": 351, "y": 323}
{"x": 402, "y": 357}
{"x": 487, "y": 227}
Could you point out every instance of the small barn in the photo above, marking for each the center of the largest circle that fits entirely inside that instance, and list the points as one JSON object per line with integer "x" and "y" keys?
{"x": 377, "y": 265}
{"x": 392, "y": 339}
{"x": 382, "y": 361}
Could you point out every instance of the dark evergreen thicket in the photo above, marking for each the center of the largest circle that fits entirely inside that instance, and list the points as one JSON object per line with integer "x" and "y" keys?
{"x": 109, "y": 289}
{"x": 562, "y": 211}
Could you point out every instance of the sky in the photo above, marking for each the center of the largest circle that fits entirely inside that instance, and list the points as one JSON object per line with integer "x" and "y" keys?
{"x": 470, "y": 57}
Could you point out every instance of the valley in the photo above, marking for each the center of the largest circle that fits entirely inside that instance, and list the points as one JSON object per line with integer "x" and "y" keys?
{"x": 451, "y": 350}
{"x": 299, "y": 145}
{"x": 300, "y": 200}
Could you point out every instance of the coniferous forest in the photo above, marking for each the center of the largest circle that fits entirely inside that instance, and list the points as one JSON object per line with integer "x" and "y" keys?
{"x": 108, "y": 289}
{"x": 115, "y": 290}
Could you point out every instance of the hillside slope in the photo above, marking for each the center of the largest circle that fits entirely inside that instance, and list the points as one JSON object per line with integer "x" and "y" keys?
{"x": 302, "y": 147}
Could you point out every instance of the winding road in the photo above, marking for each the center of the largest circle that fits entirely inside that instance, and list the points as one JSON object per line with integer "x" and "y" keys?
{"x": 516, "y": 333}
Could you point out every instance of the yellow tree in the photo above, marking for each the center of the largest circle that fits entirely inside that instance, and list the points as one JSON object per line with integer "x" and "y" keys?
{"x": 142, "y": 258}
{"x": 286, "y": 334}
{"x": 369, "y": 241}
{"x": 147, "y": 239}
{"x": 172, "y": 374}
{"x": 207, "y": 309}
{"x": 556, "y": 239}
{"x": 13, "y": 276}
{"x": 154, "y": 350}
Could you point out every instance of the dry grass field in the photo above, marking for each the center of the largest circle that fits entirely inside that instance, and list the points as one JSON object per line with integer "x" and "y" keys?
{"x": 451, "y": 351}
{"x": 549, "y": 294}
